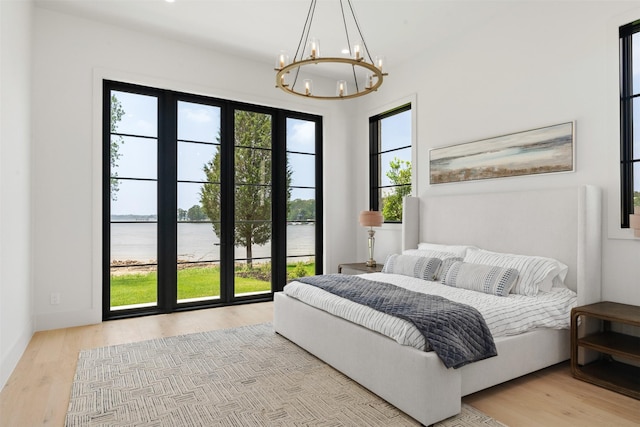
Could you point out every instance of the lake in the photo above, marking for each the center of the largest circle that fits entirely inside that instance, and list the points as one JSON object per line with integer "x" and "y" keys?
{"x": 196, "y": 242}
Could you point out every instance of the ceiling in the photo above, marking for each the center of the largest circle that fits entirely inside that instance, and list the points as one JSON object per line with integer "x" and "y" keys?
{"x": 260, "y": 29}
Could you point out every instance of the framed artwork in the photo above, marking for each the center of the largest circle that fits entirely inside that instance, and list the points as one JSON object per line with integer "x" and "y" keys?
{"x": 544, "y": 150}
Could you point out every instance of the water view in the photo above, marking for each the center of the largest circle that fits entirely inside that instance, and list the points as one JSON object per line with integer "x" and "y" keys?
{"x": 196, "y": 242}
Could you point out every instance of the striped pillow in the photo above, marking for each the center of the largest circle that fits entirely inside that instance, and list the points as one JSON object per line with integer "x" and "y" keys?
{"x": 476, "y": 277}
{"x": 533, "y": 271}
{"x": 412, "y": 266}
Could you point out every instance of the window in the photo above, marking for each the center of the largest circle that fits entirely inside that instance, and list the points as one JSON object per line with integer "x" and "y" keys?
{"x": 206, "y": 202}
{"x": 629, "y": 119}
{"x": 390, "y": 161}
{"x": 304, "y": 173}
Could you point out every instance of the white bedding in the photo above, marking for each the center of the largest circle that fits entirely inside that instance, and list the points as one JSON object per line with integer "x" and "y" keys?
{"x": 511, "y": 315}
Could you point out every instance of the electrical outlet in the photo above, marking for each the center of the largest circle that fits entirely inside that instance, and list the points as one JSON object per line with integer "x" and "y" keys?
{"x": 55, "y": 298}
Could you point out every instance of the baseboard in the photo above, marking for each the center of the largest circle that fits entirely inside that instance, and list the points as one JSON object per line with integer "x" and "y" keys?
{"x": 67, "y": 319}
{"x": 11, "y": 359}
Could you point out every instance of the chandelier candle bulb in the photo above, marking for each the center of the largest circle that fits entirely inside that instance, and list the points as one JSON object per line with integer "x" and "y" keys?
{"x": 283, "y": 60}
{"x": 342, "y": 88}
{"x": 308, "y": 86}
{"x": 314, "y": 48}
{"x": 357, "y": 51}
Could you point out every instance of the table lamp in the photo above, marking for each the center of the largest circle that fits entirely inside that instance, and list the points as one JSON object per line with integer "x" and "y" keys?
{"x": 371, "y": 219}
{"x": 634, "y": 221}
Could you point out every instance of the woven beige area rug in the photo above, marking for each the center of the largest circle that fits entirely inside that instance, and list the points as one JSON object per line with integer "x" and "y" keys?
{"x": 247, "y": 376}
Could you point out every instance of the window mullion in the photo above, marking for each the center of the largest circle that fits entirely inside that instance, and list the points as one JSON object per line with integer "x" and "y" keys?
{"x": 227, "y": 203}
{"x": 279, "y": 202}
{"x": 626, "y": 123}
{"x": 167, "y": 202}
{"x": 374, "y": 166}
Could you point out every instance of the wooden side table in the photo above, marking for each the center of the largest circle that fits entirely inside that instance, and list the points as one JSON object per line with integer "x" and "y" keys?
{"x": 361, "y": 267}
{"x": 608, "y": 372}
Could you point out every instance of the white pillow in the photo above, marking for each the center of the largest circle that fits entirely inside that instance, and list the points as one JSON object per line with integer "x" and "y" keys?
{"x": 535, "y": 273}
{"x": 430, "y": 253}
{"x": 557, "y": 283}
{"x": 477, "y": 277}
{"x": 458, "y": 250}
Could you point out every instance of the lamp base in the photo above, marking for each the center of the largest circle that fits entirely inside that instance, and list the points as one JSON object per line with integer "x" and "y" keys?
{"x": 371, "y": 263}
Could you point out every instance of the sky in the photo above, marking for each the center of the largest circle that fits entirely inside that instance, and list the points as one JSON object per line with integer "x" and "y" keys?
{"x": 395, "y": 133}
{"x": 196, "y": 122}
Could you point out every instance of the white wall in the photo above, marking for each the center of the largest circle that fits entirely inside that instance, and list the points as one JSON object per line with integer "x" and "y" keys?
{"x": 534, "y": 64}
{"x": 71, "y": 56}
{"x": 16, "y": 320}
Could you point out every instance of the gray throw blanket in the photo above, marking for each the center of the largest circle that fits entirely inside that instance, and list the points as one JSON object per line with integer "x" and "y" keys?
{"x": 456, "y": 332}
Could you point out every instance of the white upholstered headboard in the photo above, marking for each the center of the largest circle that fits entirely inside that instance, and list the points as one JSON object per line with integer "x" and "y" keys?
{"x": 562, "y": 223}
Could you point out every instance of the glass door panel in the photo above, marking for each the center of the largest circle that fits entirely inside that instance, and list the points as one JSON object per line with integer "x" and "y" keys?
{"x": 133, "y": 184}
{"x": 301, "y": 200}
{"x": 133, "y": 271}
{"x": 252, "y": 264}
{"x": 198, "y": 198}
{"x": 252, "y": 202}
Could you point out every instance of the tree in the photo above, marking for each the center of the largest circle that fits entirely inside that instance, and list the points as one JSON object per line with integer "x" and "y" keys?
{"x": 399, "y": 174}
{"x": 116, "y": 115}
{"x": 252, "y": 162}
{"x": 302, "y": 210}
{"x": 196, "y": 213}
{"x": 182, "y": 214}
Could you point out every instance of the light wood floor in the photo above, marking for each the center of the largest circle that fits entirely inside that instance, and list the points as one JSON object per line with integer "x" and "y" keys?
{"x": 37, "y": 393}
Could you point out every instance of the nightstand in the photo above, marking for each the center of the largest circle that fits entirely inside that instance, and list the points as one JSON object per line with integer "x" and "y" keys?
{"x": 360, "y": 267}
{"x": 608, "y": 372}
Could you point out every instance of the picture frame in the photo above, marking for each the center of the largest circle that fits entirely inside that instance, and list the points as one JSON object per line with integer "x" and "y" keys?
{"x": 549, "y": 149}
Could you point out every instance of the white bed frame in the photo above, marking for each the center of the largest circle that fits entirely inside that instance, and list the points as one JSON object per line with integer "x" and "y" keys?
{"x": 561, "y": 223}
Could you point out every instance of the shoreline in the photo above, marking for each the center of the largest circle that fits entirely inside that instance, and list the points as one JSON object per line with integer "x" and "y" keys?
{"x": 129, "y": 266}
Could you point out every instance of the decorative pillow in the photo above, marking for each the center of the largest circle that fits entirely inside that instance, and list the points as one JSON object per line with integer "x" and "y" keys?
{"x": 413, "y": 266}
{"x": 458, "y": 250}
{"x": 477, "y": 277}
{"x": 535, "y": 273}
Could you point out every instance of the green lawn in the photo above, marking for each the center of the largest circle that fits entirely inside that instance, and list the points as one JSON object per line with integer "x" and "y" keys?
{"x": 196, "y": 282}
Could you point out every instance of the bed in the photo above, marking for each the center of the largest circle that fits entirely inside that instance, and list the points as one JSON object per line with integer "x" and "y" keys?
{"x": 563, "y": 223}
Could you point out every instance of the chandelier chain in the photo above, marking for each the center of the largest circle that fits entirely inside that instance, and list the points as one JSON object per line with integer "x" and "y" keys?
{"x": 355, "y": 19}
{"x": 346, "y": 33}
{"x": 305, "y": 36}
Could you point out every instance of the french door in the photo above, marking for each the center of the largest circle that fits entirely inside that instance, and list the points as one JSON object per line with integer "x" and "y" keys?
{"x": 206, "y": 202}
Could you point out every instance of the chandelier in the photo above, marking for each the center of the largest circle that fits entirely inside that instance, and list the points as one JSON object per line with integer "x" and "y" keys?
{"x": 364, "y": 73}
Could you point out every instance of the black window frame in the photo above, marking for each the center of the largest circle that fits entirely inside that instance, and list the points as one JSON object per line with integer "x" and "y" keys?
{"x": 627, "y": 159}
{"x": 375, "y": 155}
{"x": 167, "y": 220}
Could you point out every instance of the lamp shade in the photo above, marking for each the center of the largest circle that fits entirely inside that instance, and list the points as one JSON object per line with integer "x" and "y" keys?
{"x": 370, "y": 218}
{"x": 634, "y": 221}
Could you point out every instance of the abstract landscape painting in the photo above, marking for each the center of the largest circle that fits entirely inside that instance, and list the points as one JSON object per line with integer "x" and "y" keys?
{"x": 536, "y": 151}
